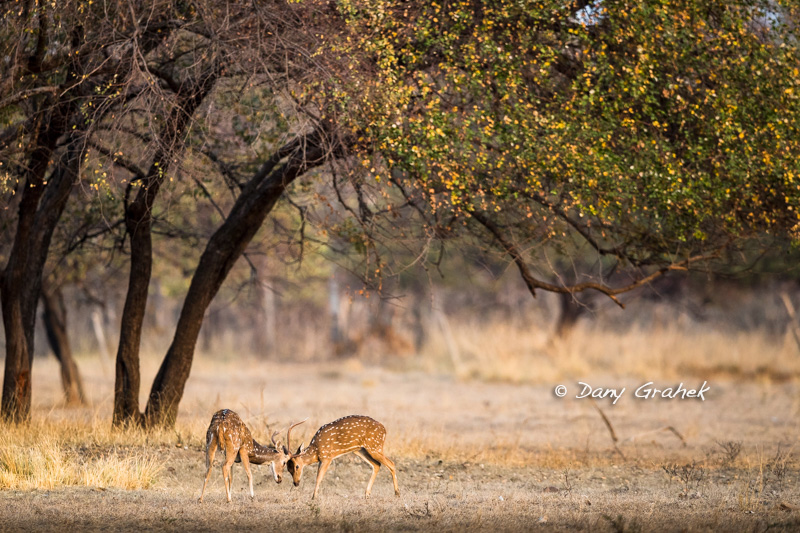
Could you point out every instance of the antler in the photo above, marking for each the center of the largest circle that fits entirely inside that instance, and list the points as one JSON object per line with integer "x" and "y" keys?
{"x": 275, "y": 442}
{"x": 289, "y": 435}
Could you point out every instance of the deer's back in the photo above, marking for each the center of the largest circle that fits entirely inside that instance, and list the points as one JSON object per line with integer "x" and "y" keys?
{"x": 348, "y": 434}
{"x": 230, "y": 431}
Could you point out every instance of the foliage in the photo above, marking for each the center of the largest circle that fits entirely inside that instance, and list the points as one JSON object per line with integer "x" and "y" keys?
{"x": 652, "y": 130}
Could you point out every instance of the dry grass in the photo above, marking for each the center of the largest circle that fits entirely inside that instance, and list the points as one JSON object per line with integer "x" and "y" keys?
{"x": 672, "y": 351}
{"x": 49, "y": 454}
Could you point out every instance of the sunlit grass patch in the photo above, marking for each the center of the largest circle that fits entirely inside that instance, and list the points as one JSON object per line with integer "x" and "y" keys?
{"x": 136, "y": 472}
{"x": 48, "y": 455}
{"x": 41, "y": 466}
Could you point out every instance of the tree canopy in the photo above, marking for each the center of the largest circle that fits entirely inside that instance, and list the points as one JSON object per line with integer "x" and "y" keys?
{"x": 654, "y": 132}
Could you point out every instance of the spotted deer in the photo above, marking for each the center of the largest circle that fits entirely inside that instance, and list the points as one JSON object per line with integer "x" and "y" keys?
{"x": 229, "y": 433}
{"x": 354, "y": 433}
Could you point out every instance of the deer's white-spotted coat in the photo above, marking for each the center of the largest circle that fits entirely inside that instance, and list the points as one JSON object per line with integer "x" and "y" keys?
{"x": 355, "y": 433}
{"x": 228, "y": 433}
{"x": 348, "y": 434}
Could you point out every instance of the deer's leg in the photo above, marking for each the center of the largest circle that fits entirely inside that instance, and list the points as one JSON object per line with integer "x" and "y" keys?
{"x": 226, "y": 473}
{"x": 230, "y": 473}
{"x": 323, "y": 467}
{"x": 211, "y": 450}
{"x": 376, "y": 466}
{"x": 246, "y": 464}
{"x": 378, "y": 456}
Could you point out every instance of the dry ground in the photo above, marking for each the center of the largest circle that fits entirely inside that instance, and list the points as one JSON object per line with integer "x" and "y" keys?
{"x": 471, "y": 454}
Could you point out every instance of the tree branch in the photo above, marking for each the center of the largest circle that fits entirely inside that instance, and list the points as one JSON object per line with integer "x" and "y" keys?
{"x": 224, "y": 169}
{"x": 22, "y": 95}
{"x": 534, "y": 283}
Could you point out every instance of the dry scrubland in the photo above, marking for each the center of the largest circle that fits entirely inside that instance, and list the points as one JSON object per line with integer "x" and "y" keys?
{"x": 478, "y": 436}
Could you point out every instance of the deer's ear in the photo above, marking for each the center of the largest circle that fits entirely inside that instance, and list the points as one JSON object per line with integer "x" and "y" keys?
{"x": 299, "y": 449}
{"x": 286, "y": 450}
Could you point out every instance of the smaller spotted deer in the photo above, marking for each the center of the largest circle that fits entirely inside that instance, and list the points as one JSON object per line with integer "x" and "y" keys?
{"x": 229, "y": 433}
{"x": 354, "y": 433}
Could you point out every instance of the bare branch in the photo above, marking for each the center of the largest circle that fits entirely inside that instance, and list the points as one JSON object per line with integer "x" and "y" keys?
{"x": 90, "y": 235}
{"x": 610, "y": 428}
{"x": 222, "y": 213}
{"x": 533, "y": 283}
{"x": 224, "y": 168}
{"x": 22, "y": 95}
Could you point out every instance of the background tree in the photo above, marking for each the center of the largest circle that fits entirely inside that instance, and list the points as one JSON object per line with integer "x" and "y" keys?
{"x": 296, "y": 143}
{"x": 66, "y": 72}
{"x": 54, "y": 317}
{"x": 644, "y": 136}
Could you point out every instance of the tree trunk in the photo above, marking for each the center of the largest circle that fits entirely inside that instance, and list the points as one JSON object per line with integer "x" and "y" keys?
{"x": 222, "y": 251}
{"x": 138, "y": 221}
{"x": 419, "y": 324}
{"x": 267, "y": 333}
{"x": 570, "y": 310}
{"x": 99, "y": 318}
{"x": 42, "y": 202}
{"x": 16, "y": 404}
{"x": 128, "y": 379}
{"x": 40, "y": 208}
{"x": 55, "y": 323}
{"x": 334, "y": 298}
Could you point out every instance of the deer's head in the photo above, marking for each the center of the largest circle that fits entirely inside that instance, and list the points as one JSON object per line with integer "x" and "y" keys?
{"x": 293, "y": 464}
{"x": 279, "y": 455}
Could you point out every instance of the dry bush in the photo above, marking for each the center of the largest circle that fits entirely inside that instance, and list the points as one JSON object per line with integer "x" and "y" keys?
{"x": 689, "y": 476}
{"x": 728, "y": 451}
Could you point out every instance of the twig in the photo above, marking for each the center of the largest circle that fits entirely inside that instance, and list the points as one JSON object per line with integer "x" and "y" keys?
{"x": 119, "y": 160}
{"x": 665, "y": 428}
{"x": 610, "y": 428}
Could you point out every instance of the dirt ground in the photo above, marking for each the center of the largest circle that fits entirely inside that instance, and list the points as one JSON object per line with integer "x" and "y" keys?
{"x": 471, "y": 456}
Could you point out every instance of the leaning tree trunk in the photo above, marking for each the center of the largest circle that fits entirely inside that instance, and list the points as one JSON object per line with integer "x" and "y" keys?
{"x": 55, "y": 323}
{"x": 224, "y": 248}
{"x": 138, "y": 221}
{"x": 17, "y": 283}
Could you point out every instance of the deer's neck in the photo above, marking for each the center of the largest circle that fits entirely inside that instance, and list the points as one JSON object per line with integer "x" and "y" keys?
{"x": 310, "y": 455}
{"x": 261, "y": 454}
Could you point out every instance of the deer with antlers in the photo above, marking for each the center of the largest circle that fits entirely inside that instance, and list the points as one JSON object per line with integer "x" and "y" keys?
{"x": 355, "y": 433}
{"x": 229, "y": 433}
